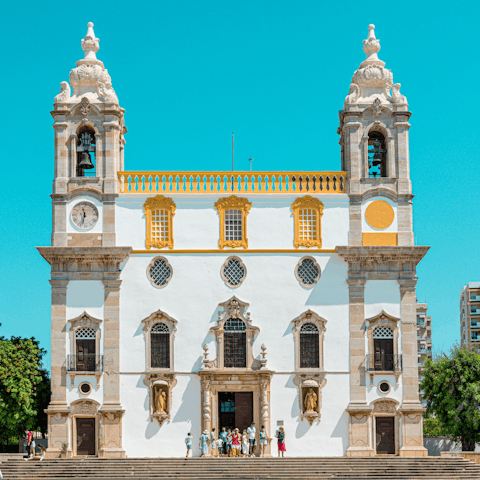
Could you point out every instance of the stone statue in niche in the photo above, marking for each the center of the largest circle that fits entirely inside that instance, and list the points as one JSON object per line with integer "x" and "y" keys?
{"x": 160, "y": 401}
{"x": 310, "y": 402}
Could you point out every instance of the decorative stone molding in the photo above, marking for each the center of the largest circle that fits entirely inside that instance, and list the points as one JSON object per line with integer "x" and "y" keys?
{"x": 159, "y": 202}
{"x": 235, "y": 203}
{"x": 320, "y": 323}
{"x": 160, "y": 386}
{"x": 385, "y": 406}
{"x": 302, "y": 203}
{"x": 111, "y": 433}
{"x": 233, "y": 308}
{"x": 310, "y": 395}
{"x": 148, "y": 323}
{"x": 84, "y": 321}
{"x": 383, "y": 319}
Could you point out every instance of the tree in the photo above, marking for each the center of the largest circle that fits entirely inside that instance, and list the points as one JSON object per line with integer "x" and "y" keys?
{"x": 24, "y": 386}
{"x": 451, "y": 386}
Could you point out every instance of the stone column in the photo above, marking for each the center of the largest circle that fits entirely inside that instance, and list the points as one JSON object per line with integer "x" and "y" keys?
{"x": 58, "y": 410}
{"x": 355, "y": 232}
{"x": 59, "y": 222}
{"x": 111, "y": 410}
{"x": 405, "y": 223}
{"x": 411, "y": 408}
{"x": 358, "y": 409}
{"x": 109, "y": 237}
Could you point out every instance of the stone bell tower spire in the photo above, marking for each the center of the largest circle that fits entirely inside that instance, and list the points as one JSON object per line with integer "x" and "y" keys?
{"x": 89, "y": 138}
{"x": 374, "y": 139}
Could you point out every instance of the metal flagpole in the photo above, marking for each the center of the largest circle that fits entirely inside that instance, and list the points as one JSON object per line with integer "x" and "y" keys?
{"x": 233, "y": 136}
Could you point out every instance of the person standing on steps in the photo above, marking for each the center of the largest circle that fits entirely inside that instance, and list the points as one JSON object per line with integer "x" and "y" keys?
{"x": 203, "y": 443}
{"x": 281, "y": 442}
{"x": 245, "y": 443}
{"x": 229, "y": 443}
{"x": 213, "y": 443}
{"x": 251, "y": 438}
{"x": 223, "y": 437}
{"x": 263, "y": 441}
{"x": 188, "y": 443}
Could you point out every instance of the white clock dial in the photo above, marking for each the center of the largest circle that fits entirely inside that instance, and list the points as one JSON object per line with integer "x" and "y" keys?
{"x": 84, "y": 215}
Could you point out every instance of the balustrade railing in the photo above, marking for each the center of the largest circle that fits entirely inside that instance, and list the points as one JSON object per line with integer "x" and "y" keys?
{"x": 385, "y": 363}
{"x": 85, "y": 363}
{"x": 232, "y": 182}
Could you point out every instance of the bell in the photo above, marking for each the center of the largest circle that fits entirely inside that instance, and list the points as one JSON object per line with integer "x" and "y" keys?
{"x": 85, "y": 161}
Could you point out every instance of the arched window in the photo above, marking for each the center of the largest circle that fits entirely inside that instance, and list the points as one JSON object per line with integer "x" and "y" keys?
{"x": 86, "y": 147}
{"x": 235, "y": 344}
{"x": 377, "y": 155}
{"x": 160, "y": 346}
{"x": 309, "y": 346}
{"x": 85, "y": 350}
{"x": 383, "y": 349}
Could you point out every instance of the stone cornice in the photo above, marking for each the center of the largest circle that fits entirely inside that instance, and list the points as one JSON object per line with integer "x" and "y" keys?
{"x": 382, "y": 254}
{"x": 85, "y": 259}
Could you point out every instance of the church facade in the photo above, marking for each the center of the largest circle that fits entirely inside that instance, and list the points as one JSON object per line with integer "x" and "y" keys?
{"x": 188, "y": 301}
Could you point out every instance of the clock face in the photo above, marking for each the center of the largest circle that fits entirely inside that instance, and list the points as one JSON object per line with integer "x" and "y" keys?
{"x": 84, "y": 215}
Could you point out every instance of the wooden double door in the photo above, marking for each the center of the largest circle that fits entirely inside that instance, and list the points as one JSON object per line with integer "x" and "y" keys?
{"x": 235, "y": 410}
{"x": 85, "y": 436}
{"x": 385, "y": 435}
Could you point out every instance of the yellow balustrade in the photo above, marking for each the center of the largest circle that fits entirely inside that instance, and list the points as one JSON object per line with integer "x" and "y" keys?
{"x": 232, "y": 182}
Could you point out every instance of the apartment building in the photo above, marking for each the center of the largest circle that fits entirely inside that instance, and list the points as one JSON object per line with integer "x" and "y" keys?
{"x": 424, "y": 340}
{"x": 470, "y": 314}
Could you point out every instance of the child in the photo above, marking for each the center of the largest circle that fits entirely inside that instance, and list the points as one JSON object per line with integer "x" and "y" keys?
{"x": 219, "y": 446}
{"x": 188, "y": 443}
{"x": 245, "y": 443}
{"x": 229, "y": 443}
{"x": 263, "y": 441}
{"x": 223, "y": 437}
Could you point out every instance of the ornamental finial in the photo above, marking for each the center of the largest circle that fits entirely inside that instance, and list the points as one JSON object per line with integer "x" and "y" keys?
{"x": 90, "y": 45}
{"x": 371, "y": 47}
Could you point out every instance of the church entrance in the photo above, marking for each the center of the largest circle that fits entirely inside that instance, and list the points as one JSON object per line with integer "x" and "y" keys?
{"x": 235, "y": 410}
{"x": 85, "y": 436}
{"x": 385, "y": 435}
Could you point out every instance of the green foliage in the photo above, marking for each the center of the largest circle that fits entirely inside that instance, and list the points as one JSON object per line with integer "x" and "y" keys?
{"x": 432, "y": 427}
{"x": 24, "y": 386}
{"x": 451, "y": 386}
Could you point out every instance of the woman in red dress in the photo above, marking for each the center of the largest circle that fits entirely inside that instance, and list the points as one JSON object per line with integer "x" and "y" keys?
{"x": 281, "y": 442}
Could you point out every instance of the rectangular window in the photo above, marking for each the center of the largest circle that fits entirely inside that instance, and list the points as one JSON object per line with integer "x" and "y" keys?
{"x": 160, "y": 345}
{"x": 307, "y": 224}
{"x": 233, "y": 225}
{"x": 159, "y": 225}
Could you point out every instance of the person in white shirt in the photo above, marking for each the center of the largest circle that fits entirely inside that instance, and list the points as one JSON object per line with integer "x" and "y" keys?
{"x": 251, "y": 431}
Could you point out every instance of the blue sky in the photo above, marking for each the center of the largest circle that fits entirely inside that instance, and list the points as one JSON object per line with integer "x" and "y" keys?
{"x": 189, "y": 73}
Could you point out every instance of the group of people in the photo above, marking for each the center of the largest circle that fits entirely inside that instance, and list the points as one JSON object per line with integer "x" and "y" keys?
{"x": 232, "y": 443}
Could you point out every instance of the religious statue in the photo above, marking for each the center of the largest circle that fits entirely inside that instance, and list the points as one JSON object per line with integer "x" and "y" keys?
{"x": 160, "y": 401}
{"x": 310, "y": 402}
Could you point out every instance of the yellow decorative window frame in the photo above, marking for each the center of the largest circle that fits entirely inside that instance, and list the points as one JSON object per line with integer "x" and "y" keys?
{"x": 300, "y": 204}
{"x": 233, "y": 203}
{"x": 159, "y": 202}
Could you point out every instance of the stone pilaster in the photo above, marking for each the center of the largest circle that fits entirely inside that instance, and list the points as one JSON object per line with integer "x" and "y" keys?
{"x": 59, "y": 223}
{"x": 58, "y": 410}
{"x": 355, "y": 232}
{"x": 405, "y": 222}
{"x": 109, "y": 236}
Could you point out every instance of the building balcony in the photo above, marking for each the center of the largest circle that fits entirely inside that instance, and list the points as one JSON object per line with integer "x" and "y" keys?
{"x": 475, "y": 311}
{"x": 232, "y": 182}
{"x": 86, "y": 364}
{"x": 475, "y": 298}
{"x": 386, "y": 364}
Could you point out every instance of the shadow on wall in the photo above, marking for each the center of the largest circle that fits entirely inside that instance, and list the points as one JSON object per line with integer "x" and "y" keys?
{"x": 341, "y": 430}
{"x": 187, "y": 412}
{"x": 331, "y": 289}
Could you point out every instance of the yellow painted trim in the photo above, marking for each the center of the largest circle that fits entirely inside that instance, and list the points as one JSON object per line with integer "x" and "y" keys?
{"x": 233, "y": 203}
{"x": 159, "y": 202}
{"x": 379, "y": 215}
{"x": 380, "y": 239}
{"x": 298, "y": 205}
{"x": 232, "y": 182}
{"x": 228, "y": 252}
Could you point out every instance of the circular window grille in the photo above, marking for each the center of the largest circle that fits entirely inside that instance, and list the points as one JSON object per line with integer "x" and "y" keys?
{"x": 85, "y": 388}
{"x": 308, "y": 272}
{"x": 159, "y": 272}
{"x": 384, "y": 387}
{"x": 85, "y": 333}
{"x": 234, "y": 272}
{"x": 383, "y": 332}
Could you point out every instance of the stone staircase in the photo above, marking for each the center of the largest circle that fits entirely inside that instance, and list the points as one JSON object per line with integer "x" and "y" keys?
{"x": 309, "y": 468}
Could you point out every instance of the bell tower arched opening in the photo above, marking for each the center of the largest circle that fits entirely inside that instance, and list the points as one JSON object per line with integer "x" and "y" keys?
{"x": 377, "y": 155}
{"x": 86, "y": 148}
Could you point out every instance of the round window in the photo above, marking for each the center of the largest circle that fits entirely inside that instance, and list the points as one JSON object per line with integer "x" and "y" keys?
{"x": 384, "y": 387}
{"x": 159, "y": 272}
{"x": 233, "y": 272}
{"x": 85, "y": 388}
{"x": 308, "y": 272}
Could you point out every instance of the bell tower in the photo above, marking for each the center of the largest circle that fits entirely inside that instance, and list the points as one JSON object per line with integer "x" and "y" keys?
{"x": 89, "y": 144}
{"x": 375, "y": 146}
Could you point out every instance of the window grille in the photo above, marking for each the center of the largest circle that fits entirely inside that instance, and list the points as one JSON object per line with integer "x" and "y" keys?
{"x": 307, "y": 224}
{"x": 85, "y": 334}
{"x": 233, "y": 272}
{"x": 309, "y": 346}
{"x": 233, "y": 224}
{"x": 308, "y": 272}
{"x": 160, "y": 346}
{"x": 235, "y": 344}
{"x": 159, "y": 225}
{"x": 160, "y": 272}
{"x": 383, "y": 332}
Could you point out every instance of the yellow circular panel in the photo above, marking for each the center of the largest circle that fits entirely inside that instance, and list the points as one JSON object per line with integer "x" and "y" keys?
{"x": 379, "y": 215}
